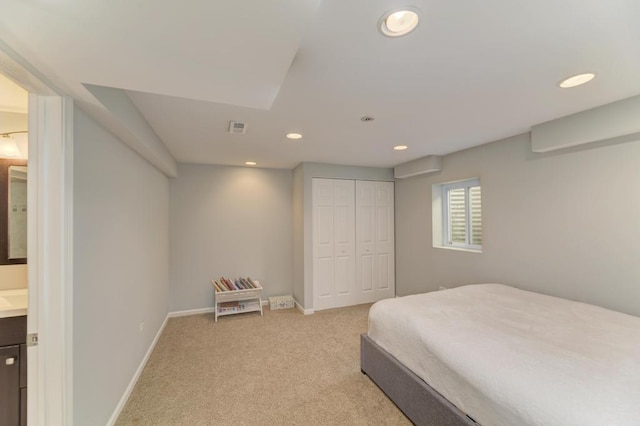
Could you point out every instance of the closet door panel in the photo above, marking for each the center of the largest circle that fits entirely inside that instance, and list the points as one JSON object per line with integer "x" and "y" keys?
{"x": 323, "y": 241}
{"x": 384, "y": 193}
{"x": 385, "y": 239}
{"x": 365, "y": 238}
{"x": 365, "y": 248}
{"x": 375, "y": 240}
{"x": 334, "y": 242}
{"x": 324, "y": 277}
{"x": 365, "y": 224}
{"x": 324, "y": 230}
{"x": 366, "y": 273}
{"x": 343, "y": 280}
{"x": 343, "y": 224}
{"x": 384, "y": 277}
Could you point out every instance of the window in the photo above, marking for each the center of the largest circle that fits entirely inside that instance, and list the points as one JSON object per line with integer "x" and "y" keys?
{"x": 462, "y": 214}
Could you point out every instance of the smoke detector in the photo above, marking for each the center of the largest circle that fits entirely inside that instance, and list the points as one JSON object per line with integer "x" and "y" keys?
{"x": 237, "y": 128}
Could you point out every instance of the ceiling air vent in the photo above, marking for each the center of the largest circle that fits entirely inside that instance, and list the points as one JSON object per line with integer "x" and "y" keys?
{"x": 237, "y": 128}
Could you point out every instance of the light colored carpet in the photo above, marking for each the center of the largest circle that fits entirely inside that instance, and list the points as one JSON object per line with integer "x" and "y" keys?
{"x": 283, "y": 368}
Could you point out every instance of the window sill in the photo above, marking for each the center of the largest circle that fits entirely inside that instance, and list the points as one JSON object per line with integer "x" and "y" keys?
{"x": 468, "y": 250}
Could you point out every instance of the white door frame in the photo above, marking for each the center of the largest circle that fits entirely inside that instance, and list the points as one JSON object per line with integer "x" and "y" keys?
{"x": 50, "y": 244}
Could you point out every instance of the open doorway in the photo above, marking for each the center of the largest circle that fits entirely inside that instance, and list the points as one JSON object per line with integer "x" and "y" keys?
{"x": 14, "y": 123}
{"x": 47, "y": 147}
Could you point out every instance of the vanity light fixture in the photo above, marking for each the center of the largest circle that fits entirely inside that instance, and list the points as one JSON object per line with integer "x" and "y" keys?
{"x": 294, "y": 136}
{"x": 577, "y": 80}
{"x": 400, "y": 147}
{"x": 8, "y": 145}
{"x": 398, "y": 23}
{"x": 250, "y": 163}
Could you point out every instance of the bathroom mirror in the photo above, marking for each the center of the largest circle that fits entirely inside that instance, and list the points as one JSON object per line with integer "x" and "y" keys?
{"x": 17, "y": 212}
{"x": 13, "y": 211}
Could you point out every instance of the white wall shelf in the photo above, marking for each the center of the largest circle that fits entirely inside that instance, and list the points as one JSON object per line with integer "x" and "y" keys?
{"x": 232, "y": 302}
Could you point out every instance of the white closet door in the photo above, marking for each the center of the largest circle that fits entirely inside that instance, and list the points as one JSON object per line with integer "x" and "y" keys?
{"x": 365, "y": 238}
{"x": 375, "y": 247}
{"x": 333, "y": 243}
{"x": 385, "y": 241}
{"x": 323, "y": 246}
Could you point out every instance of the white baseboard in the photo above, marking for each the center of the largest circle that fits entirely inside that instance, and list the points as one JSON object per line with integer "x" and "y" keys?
{"x": 189, "y": 312}
{"x": 303, "y": 310}
{"x": 136, "y": 376}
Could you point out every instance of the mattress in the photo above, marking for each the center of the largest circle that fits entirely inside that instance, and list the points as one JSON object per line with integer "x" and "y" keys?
{"x": 510, "y": 357}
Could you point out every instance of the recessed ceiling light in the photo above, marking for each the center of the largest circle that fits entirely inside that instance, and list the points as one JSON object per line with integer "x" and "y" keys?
{"x": 400, "y": 147}
{"x": 250, "y": 163}
{"x": 577, "y": 80}
{"x": 294, "y": 136}
{"x": 399, "y": 22}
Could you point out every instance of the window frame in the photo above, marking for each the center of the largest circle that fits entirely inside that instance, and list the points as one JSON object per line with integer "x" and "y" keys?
{"x": 446, "y": 234}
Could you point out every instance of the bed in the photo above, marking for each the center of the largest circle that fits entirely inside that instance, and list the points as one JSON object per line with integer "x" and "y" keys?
{"x": 496, "y": 355}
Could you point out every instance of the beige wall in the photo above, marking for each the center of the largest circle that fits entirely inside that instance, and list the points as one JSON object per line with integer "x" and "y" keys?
{"x": 13, "y": 277}
{"x": 13, "y": 121}
{"x": 565, "y": 223}
{"x": 229, "y": 221}
{"x": 121, "y": 266}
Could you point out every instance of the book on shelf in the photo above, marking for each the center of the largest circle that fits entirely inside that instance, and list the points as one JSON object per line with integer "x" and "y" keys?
{"x": 221, "y": 285}
{"x": 226, "y": 284}
{"x": 230, "y": 284}
{"x": 238, "y": 306}
{"x": 249, "y": 305}
{"x": 247, "y": 283}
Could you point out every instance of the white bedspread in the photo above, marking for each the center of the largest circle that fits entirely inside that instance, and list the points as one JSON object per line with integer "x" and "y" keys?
{"x": 510, "y": 357}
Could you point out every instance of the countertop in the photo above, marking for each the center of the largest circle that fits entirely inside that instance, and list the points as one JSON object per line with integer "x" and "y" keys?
{"x": 13, "y": 303}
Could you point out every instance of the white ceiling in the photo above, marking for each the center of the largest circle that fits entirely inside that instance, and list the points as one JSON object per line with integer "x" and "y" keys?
{"x": 471, "y": 73}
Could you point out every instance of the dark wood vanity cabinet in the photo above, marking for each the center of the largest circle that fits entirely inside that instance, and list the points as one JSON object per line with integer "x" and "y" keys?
{"x": 13, "y": 371}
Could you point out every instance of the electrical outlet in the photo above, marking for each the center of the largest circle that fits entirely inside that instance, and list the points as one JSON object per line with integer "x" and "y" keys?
{"x": 442, "y": 287}
{"x": 141, "y": 327}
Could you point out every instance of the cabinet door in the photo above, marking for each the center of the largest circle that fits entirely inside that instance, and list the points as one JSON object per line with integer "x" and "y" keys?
{"x": 9, "y": 385}
{"x": 23, "y": 366}
{"x": 23, "y": 407}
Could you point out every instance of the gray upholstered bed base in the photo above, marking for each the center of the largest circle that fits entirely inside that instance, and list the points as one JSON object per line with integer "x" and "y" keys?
{"x": 417, "y": 400}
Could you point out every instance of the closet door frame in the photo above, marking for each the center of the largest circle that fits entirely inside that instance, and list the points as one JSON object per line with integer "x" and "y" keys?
{"x": 353, "y": 242}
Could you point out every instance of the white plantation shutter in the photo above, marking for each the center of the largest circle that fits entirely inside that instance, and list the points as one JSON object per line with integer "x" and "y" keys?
{"x": 462, "y": 210}
{"x": 475, "y": 205}
{"x": 457, "y": 216}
